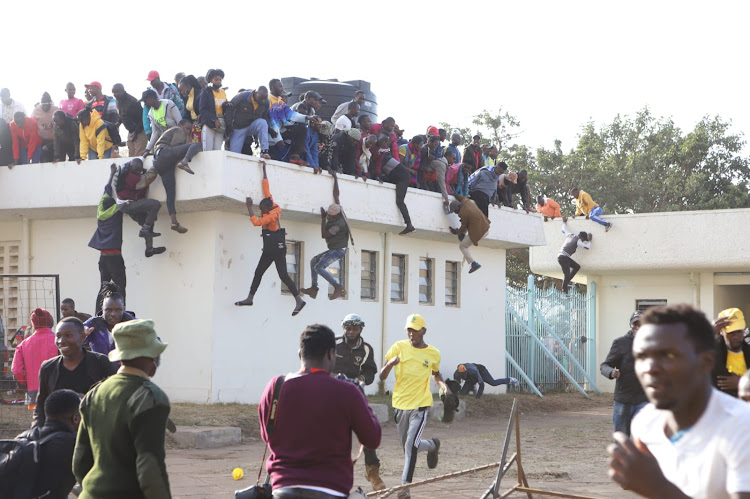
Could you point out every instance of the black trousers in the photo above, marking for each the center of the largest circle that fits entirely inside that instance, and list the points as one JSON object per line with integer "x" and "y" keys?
{"x": 569, "y": 267}
{"x": 165, "y": 163}
{"x": 48, "y": 151}
{"x": 111, "y": 268}
{"x": 518, "y": 188}
{"x": 401, "y": 178}
{"x": 278, "y": 257}
{"x": 298, "y": 134}
{"x": 482, "y": 200}
{"x": 371, "y": 457}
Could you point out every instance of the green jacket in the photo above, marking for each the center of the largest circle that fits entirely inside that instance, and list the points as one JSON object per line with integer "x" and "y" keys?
{"x": 119, "y": 452}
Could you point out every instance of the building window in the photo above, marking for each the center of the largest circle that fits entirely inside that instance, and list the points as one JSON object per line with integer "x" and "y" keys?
{"x": 398, "y": 278}
{"x": 338, "y": 270}
{"x": 451, "y": 283}
{"x": 644, "y": 305}
{"x": 369, "y": 287}
{"x": 293, "y": 267}
{"x": 426, "y": 266}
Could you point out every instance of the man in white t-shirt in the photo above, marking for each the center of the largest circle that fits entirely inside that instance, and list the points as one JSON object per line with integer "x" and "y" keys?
{"x": 690, "y": 441}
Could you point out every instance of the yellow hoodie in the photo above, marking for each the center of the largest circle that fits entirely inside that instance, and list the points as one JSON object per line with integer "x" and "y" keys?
{"x": 95, "y": 136}
{"x": 584, "y": 203}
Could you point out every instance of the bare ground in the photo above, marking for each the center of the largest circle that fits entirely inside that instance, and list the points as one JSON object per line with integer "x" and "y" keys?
{"x": 563, "y": 441}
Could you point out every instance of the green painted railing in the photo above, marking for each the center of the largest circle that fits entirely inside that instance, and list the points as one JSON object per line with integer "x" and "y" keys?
{"x": 550, "y": 338}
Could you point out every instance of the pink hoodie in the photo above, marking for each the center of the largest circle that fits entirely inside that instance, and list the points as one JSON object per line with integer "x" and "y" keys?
{"x": 30, "y": 355}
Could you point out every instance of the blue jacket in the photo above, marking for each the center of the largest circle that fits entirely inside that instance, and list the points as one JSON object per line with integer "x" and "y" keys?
{"x": 455, "y": 150}
{"x": 108, "y": 235}
{"x": 208, "y": 107}
{"x": 99, "y": 339}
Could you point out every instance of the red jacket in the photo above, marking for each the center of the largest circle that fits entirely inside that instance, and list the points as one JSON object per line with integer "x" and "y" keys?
{"x": 377, "y": 129}
{"x": 131, "y": 192}
{"x": 27, "y": 137}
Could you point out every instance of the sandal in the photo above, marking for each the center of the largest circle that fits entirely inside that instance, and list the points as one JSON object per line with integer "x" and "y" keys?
{"x": 184, "y": 166}
{"x": 179, "y": 228}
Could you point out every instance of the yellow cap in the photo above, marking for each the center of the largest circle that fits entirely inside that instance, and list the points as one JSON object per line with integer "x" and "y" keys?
{"x": 415, "y": 321}
{"x": 736, "y": 317}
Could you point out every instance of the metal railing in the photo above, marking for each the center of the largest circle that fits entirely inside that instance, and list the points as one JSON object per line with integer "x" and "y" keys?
{"x": 550, "y": 338}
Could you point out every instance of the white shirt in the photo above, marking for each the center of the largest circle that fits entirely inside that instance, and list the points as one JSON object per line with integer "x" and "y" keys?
{"x": 343, "y": 123}
{"x": 712, "y": 459}
{"x": 9, "y": 111}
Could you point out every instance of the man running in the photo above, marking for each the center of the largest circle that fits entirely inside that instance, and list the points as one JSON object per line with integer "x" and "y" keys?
{"x": 415, "y": 362}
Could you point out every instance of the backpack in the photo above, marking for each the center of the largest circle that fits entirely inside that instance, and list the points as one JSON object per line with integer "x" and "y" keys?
{"x": 19, "y": 466}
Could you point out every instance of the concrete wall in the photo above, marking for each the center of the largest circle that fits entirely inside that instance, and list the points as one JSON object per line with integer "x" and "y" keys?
{"x": 222, "y": 353}
{"x": 678, "y": 257}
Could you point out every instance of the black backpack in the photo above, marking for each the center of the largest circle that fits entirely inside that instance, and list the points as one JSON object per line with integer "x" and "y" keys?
{"x": 19, "y": 466}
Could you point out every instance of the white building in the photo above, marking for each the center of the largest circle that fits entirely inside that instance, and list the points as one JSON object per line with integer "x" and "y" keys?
{"x": 696, "y": 257}
{"x": 222, "y": 353}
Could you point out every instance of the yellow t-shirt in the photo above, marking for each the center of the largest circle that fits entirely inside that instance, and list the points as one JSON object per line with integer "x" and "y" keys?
{"x": 220, "y": 97}
{"x": 736, "y": 363}
{"x": 413, "y": 373}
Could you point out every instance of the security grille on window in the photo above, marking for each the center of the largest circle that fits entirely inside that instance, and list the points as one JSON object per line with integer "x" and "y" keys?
{"x": 338, "y": 270}
{"x": 293, "y": 260}
{"x": 369, "y": 276}
{"x": 451, "y": 283}
{"x": 425, "y": 280}
{"x": 398, "y": 278}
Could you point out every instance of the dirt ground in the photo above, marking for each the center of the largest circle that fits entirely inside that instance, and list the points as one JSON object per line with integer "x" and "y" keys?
{"x": 563, "y": 441}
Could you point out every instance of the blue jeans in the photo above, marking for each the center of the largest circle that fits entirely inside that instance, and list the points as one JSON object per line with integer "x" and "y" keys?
{"x": 319, "y": 265}
{"x": 623, "y": 414}
{"x": 258, "y": 127}
{"x": 93, "y": 154}
{"x": 24, "y": 155}
{"x": 596, "y": 215}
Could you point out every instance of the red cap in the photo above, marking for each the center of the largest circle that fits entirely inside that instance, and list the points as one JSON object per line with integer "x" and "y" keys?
{"x": 152, "y": 75}
{"x": 94, "y": 84}
{"x": 433, "y": 131}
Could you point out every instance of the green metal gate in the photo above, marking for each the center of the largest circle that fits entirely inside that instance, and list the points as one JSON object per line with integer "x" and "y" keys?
{"x": 550, "y": 338}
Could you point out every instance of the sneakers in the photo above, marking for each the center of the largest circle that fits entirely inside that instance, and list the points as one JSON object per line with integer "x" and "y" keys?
{"x": 372, "y": 473}
{"x": 155, "y": 251}
{"x": 408, "y": 230}
{"x": 312, "y": 291}
{"x": 609, "y": 226}
{"x": 514, "y": 381}
{"x": 433, "y": 455}
{"x": 474, "y": 267}
{"x": 295, "y": 159}
{"x": 147, "y": 231}
{"x": 404, "y": 494}
{"x": 179, "y": 228}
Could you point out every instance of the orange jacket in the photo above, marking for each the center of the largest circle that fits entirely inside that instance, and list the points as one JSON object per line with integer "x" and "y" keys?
{"x": 550, "y": 209}
{"x": 271, "y": 219}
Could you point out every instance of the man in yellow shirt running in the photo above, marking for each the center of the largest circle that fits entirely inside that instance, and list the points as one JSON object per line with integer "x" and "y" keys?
{"x": 416, "y": 362}
{"x": 585, "y": 205}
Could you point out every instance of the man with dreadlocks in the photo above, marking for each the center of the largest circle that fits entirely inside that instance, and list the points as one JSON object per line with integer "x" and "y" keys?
{"x": 99, "y": 329}
{"x": 274, "y": 245}
{"x": 334, "y": 228}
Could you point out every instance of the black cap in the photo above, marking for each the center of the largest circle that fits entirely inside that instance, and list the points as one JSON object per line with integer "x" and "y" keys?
{"x": 312, "y": 94}
{"x": 636, "y": 317}
{"x": 149, "y": 93}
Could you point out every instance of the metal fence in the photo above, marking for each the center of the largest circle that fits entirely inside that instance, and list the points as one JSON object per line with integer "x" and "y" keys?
{"x": 550, "y": 338}
{"x": 20, "y": 294}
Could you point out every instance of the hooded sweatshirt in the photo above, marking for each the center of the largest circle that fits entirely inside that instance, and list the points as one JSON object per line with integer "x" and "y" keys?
{"x": 95, "y": 136}
{"x": 44, "y": 120}
{"x": 27, "y": 137}
{"x": 30, "y": 355}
